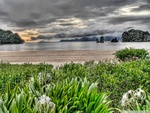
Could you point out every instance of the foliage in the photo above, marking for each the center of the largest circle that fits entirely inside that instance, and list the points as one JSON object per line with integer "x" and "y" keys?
{"x": 78, "y": 95}
{"x": 132, "y": 97}
{"x": 75, "y": 96}
{"x": 67, "y": 87}
{"x": 138, "y": 104}
{"x": 112, "y": 77}
{"x": 19, "y": 74}
{"x": 131, "y": 54}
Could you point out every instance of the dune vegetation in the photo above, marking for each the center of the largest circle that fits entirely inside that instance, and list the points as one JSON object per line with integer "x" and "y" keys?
{"x": 103, "y": 87}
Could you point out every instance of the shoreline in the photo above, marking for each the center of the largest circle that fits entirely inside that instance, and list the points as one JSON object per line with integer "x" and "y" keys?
{"x": 55, "y": 57}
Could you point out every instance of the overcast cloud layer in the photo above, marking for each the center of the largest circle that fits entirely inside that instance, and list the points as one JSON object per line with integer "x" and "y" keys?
{"x": 47, "y": 17}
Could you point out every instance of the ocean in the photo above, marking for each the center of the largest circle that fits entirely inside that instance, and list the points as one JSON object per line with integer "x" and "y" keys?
{"x": 89, "y": 45}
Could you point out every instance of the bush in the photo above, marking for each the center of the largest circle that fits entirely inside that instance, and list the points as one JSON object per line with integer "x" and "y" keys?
{"x": 59, "y": 84}
{"x": 75, "y": 96}
{"x": 114, "y": 78}
{"x": 78, "y": 95}
{"x": 128, "y": 54}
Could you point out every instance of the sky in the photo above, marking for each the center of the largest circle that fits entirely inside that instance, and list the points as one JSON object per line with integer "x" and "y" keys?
{"x": 31, "y": 18}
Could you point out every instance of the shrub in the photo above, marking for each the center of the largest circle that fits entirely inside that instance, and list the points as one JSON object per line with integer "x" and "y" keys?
{"x": 131, "y": 54}
{"x": 75, "y": 96}
{"x": 113, "y": 78}
{"x": 78, "y": 95}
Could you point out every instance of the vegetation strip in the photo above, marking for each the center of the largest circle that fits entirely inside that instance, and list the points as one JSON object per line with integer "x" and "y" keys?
{"x": 101, "y": 87}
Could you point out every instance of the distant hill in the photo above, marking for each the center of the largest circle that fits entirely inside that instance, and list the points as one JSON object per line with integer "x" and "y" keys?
{"x": 8, "y": 37}
{"x": 106, "y": 38}
{"x": 135, "y": 36}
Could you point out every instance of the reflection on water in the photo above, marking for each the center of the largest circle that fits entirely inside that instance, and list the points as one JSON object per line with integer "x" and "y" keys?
{"x": 74, "y": 46}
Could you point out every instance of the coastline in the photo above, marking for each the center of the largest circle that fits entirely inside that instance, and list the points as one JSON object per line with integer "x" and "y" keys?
{"x": 55, "y": 57}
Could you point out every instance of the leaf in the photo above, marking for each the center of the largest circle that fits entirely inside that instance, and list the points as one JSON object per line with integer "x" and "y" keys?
{"x": 90, "y": 107}
{"x": 13, "y": 107}
{"x": 98, "y": 108}
{"x": 72, "y": 108}
{"x": 19, "y": 101}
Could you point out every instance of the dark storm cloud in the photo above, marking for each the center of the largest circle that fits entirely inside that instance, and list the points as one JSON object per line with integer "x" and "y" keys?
{"x": 3, "y": 13}
{"x": 69, "y": 24}
{"x": 26, "y": 23}
{"x": 38, "y": 9}
{"x": 102, "y": 32}
{"x": 51, "y": 14}
{"x": 128, "y": 28}
{"x": 148, "y": 1}
{"x": 146, "y": 21}
{"x": 47, "y": 21}
{"x": 91, "y": 14}
{"x": 124, "y": 19}
{"x": 59, "y": 30}
{"x": 19, "y": 29}
{"x": 35, "y": 15}
{"x": 142, "y": 8}
{"x": 103, "y": 3}
{"x": 31, "y": 23}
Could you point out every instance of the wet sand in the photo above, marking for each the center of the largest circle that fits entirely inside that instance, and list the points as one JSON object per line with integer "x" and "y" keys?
{"x": 56, "y": 57}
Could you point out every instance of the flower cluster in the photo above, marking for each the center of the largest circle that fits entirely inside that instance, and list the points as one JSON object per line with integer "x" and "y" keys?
{"x": 45, "y": 103}
{"x": 132, "y": 96}
{"x": 44, "y": 78}
{"x": 41, "y": 78}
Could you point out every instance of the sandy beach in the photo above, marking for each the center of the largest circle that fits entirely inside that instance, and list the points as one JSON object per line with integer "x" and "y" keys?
{"x": 56, "y": 57}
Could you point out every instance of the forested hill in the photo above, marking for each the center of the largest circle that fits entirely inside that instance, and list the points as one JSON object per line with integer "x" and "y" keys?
{"x": 8, "y": 37}
{"x": 135, "y": 36}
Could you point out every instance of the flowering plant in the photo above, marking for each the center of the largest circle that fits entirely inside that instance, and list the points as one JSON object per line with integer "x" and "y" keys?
{"x": 132, "y": 98}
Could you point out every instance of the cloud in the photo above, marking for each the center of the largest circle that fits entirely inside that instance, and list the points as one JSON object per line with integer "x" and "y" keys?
{"x": 29, "y": 33}
{"x": 37, "y": 9}
{"x": 26, "y": 23}
{"x": 145, "y": 7}
{"x": 71, "y": 16}
{"x": 124, "y": 19}
{"x": 128, "y": 28}
{"x": 3, "y": 13}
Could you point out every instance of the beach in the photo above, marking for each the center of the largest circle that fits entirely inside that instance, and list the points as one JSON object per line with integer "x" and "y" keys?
{"x": 55, "y": 57}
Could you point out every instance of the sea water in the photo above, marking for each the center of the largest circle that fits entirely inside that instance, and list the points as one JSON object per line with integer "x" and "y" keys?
{"x": 91, "y": 45}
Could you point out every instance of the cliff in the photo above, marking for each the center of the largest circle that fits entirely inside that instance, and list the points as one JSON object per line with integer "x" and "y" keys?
{"x": 8, "y": 37}
{"x": 135, "y": 36}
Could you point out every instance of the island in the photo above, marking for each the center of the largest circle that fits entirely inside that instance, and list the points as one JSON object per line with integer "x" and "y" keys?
{"x": 8, "y": 37}
{"x": 114, "y": 40}
{"x": 135, "y": 36}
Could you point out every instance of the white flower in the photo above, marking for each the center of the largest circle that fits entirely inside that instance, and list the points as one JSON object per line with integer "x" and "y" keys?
{"x": 131, "y": 97}
{"x": 131, "y": 92}
{"x": 44, "y": 78}
{"x": 52, "y": 105}
{"x": 124, "y": 99}
{"x": 46, "y": 101}
{"x": 139, "y": 94}
{"x": 40, "y": 74}
{"x": 42, "y": 101}
{"x": 32, "y": 79}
